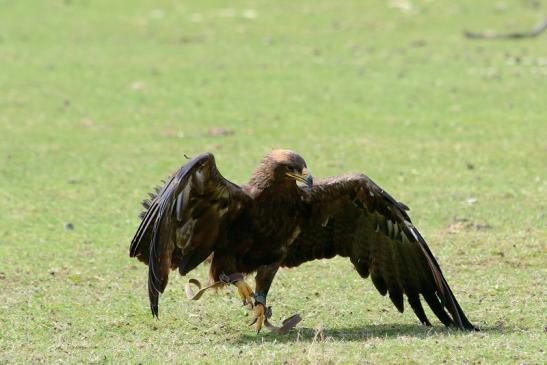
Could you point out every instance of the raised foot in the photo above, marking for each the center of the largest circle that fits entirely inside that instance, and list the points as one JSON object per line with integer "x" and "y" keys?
{"x": 245, "y": 292}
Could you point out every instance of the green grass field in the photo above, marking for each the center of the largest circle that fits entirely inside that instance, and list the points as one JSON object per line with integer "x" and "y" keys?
{"x": 100, "y": 100}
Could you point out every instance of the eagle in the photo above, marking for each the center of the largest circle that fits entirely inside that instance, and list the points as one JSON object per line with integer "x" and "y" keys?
{"x": 283, "y": 218}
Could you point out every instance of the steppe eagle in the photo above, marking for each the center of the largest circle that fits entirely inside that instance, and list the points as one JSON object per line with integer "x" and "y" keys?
{"x": 273, "y": 222}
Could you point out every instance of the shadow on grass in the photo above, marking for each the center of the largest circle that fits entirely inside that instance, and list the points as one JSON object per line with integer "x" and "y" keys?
{"x": 359, "y": 333}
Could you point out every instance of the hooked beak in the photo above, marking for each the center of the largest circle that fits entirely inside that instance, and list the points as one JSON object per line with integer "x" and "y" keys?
{"x": 306, "y": 177}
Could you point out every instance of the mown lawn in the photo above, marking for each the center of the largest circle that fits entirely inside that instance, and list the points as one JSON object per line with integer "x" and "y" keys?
{"x": 99, "y": 100}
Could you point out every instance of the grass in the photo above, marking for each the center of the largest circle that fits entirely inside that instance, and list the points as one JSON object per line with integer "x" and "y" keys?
{"x": 100, "y": 100}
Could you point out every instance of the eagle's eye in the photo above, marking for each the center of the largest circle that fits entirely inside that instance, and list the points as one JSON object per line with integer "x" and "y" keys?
{"x": 294, "y": 168}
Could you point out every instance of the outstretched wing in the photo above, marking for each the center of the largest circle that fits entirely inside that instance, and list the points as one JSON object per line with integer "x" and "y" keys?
{"x": 184, "y": 221}
{"x": 352, "y": 217}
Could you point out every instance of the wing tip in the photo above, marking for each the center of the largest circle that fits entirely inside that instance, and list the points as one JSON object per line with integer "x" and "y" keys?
{"x": 448, "y": 300}
{"x": 154, "y": 302}
{"x": 155, "y": 311}
{"x": 465, "y": 326}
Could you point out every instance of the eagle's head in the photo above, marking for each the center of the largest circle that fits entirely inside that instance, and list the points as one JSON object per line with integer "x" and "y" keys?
{"x": 281, "y": 167}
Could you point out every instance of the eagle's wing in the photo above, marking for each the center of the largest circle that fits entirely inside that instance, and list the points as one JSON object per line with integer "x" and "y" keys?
{"x": 352, "y": 217}
{"x": 184, "y": 221}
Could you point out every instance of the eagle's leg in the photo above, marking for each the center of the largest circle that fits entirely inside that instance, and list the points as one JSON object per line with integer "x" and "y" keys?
{"x": 245, "y": 292}
{"x": 263, "y": 279}
{"x": 224, "y": 263}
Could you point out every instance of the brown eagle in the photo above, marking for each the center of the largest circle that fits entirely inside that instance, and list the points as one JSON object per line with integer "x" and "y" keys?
{"x": 275, "y": 222}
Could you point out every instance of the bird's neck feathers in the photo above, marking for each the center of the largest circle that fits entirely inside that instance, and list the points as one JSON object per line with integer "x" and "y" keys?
{"x": 262, "y": 178}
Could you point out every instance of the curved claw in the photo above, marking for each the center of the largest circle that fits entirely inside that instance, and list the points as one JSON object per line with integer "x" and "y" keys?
{"x": 260, "y": 317}
{"x": 245, "y": 292}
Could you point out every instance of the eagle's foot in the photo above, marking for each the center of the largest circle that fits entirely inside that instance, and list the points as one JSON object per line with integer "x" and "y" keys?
{"x": 245, "y": 292}
{"x": 260, "y": 317}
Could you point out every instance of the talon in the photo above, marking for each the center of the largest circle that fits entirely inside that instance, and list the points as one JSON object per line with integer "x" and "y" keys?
{"x": 253, "y": 322}
{"x": 260, "y": 317}
{"x": 245, "y": 292}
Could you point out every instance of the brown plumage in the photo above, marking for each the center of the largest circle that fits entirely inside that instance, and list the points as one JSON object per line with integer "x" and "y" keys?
{"x": 272, "y": 222}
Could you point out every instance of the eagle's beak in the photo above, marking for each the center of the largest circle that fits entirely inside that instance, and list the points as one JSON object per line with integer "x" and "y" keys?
{"x": 305, "y": 177}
